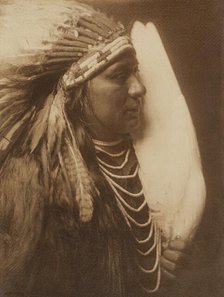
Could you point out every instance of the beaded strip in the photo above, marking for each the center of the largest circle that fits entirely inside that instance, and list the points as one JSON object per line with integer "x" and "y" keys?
{"x": 106, "y": 144}
{"x": 125, "y": 203}
{"x": 120, "y": 176}
{"x": 83, "y": 70}
{"x": 110, "y": 154}
{"x": 114, "y": 184}
{"x": 130, "y": 219}
{"x": 124, "y": 206}
{"x": 151, "y": 248}
{"x": 157, "y": 266}
{"x": 116, "y": 166}
{"x": 147, "y": 238}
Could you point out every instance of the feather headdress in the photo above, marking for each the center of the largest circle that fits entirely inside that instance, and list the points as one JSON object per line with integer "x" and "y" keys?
{"x": 47, "y": 49}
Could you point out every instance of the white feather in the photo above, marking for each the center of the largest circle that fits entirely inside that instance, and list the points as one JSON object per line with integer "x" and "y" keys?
{"x": 44, "y": 17}
{"x": 166, "y": 147}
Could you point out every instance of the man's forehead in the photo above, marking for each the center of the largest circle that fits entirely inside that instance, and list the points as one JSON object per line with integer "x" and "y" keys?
{"x": 128, "y": 59}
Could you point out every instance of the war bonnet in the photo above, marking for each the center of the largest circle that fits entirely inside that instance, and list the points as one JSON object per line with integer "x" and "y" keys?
{"x": 59, "y": 44}
{"x": 41, "y": 38}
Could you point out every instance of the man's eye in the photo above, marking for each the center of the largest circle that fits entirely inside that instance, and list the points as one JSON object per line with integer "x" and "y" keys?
{"x": 120, "y": 76}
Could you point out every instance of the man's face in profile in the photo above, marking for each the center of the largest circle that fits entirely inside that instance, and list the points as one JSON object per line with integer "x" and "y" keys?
{"x": 115, "y": 97}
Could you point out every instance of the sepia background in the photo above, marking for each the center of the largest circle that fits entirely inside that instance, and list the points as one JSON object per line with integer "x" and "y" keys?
{"x": 193, "y": 35}
{"x": 192, "y": 32}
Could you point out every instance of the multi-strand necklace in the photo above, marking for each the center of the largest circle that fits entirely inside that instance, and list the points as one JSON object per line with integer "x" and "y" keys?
{"x": 119, "y": 166}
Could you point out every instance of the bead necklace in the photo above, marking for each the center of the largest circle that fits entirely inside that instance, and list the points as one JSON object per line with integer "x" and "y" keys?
{"x": 112, "y": 178}
{"x": 121, "y": 199}
{"x": 147, "y": 238}
{"x": 119, "y": 176}
{"x": 110, "y": 154}
{"x": 157, "y": 265}
{"x": 151, "y": 248}
{"x": 106, "y": 143}
{"x": 116, "y": 166}
{"x": 117, "y": 186}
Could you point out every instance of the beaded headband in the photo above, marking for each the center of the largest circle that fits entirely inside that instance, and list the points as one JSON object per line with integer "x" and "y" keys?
{"x": 86, "y": 68}
{"x": 97, "y": 40}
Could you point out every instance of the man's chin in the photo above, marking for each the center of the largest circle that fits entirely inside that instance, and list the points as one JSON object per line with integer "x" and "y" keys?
{"x": 132, "y": 126}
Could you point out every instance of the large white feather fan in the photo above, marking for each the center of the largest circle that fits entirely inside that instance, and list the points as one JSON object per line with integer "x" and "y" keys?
{"x": 166, "y": 144}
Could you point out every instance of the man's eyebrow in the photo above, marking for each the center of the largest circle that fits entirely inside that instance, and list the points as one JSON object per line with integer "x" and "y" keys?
{"x": 122, "y": 65}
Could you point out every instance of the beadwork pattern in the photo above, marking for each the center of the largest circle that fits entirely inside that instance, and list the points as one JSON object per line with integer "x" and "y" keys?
{"x": 134, "y": 208}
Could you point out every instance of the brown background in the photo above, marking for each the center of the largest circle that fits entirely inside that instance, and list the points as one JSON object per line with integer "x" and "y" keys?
{"x": 192, "y": 34}
{"x": 192, "y": 31}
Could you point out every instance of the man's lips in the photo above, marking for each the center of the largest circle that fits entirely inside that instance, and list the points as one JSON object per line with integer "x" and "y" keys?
{"x": 132, "y": 113}
{"x": 135, "y": 108}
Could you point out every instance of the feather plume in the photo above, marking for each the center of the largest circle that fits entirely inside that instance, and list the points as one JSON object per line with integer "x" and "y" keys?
{"x": 61, "y": 141}
{"x": 7, "y": 123}
{"x": 83, "y": 185}
{"x": 56, "y": 122}
{"x": 80, "y": 180}
{"x": 15, "y": 129}
{"x": 39, "y": 127}
{"x": 15, "y": 113}
{"x": 10, "y": 109}
{"x": 6, "y": 97}
{"x": 40, "y": 15}
{"x": 67, "y": 170}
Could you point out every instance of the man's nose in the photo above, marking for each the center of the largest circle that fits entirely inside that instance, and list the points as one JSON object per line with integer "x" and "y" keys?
{"x": 136, "y": 87}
